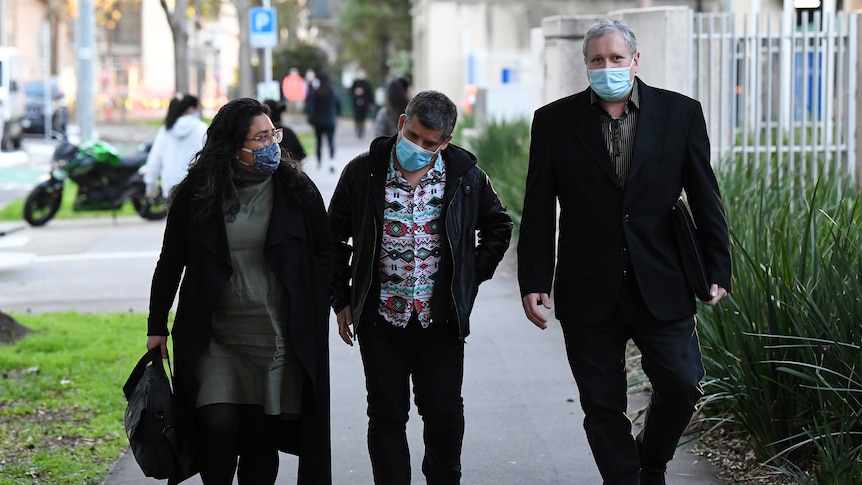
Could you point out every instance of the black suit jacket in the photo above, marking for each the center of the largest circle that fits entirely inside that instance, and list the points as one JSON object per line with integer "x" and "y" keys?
{"x": 298, "y": 250}
{"x": 599, "y": 223}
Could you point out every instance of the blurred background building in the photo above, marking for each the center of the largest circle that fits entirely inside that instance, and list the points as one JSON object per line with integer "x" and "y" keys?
{"x": 469, "y": 49}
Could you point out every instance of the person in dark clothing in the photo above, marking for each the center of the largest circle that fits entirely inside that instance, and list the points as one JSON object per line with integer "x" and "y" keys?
{"x": 323, "y": 107}
{"x": 413, "y": 206}
{"x": 247, "y": 245}
{"x": 607, "y": 166}
{"x": 289, "y": 141}
{"x": 362, "y": 95}
{"x": 397, "y": 96}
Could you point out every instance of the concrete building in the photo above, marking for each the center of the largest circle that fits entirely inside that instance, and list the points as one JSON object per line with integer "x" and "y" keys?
{"x": 134, "y": 61}
{"x": 487, "y": 54}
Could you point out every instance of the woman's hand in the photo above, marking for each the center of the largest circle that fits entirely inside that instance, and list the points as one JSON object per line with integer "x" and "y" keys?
{"x": 154, "y": 341}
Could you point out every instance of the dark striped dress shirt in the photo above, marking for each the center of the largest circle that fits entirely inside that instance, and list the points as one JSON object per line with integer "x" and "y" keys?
{"x": 620, "y": 133}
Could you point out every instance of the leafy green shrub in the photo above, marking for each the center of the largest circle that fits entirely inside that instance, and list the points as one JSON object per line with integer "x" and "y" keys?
{"x": 783, "y": 352}
{"x": 503, "y": 151}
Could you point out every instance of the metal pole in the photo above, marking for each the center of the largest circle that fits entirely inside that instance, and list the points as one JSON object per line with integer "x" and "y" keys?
{"x": 86, "y": 69}
{"x": 48, "y": 91}
{"x": 267, "y": 55}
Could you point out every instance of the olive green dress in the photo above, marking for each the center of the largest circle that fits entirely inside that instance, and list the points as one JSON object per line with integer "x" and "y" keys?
{"x": 249, "y": 359}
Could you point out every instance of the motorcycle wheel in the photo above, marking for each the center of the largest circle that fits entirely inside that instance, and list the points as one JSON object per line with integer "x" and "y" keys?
{"x": 151, "y": 210}
{"x": 42, "y": 205}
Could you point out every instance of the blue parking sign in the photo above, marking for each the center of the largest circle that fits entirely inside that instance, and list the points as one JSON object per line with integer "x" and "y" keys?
{"x": 262, "y": 27}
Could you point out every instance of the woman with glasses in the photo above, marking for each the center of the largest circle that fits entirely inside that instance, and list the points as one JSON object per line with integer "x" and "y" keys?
{"x": 248, "y": 245}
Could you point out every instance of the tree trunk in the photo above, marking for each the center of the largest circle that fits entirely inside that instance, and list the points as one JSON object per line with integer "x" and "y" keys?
{"x": 178, "y": 20}
{"x": 246, "y": 84}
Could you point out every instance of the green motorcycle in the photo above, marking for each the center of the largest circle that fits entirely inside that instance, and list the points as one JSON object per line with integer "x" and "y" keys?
{"x": 104, "y": 181}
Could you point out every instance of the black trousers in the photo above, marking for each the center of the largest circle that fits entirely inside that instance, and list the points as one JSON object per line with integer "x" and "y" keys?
{"x": 671, "y": 359}
{"x": 321, "y": 131}
{"x": 434, "y": 357}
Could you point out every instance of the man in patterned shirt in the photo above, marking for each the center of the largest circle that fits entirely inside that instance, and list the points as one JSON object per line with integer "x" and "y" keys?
{"x": 413, "y": 207}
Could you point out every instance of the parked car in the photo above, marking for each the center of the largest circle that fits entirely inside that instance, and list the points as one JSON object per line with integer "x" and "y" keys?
{"x": 34, "y": 116}
{"x": 11, "y": 100}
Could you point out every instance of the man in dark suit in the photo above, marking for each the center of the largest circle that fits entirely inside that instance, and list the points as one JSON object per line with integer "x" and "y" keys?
{"x": 616, "y": 157}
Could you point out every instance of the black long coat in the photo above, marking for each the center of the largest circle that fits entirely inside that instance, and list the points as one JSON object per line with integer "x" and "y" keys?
{"x": 298, "y": 250}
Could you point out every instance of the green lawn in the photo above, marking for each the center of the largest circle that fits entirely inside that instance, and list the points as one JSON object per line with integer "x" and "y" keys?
{"x": 61, "y": 400}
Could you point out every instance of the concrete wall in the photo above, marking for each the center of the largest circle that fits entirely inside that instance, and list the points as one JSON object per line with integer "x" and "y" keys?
{"x": 456, "y": 42}
{"x": 461, "y": 42}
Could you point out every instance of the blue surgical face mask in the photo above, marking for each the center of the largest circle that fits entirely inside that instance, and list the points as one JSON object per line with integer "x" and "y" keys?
{"x": 611, "y": 83}
{"x": 411, "y": 156}
{"x": 266, "y": 159}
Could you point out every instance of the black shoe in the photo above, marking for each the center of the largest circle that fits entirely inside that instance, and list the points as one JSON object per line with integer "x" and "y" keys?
{"x": 652, "y": 476}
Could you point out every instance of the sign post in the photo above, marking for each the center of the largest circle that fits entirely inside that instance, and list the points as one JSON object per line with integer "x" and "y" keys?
{"x": 263, "y": 34}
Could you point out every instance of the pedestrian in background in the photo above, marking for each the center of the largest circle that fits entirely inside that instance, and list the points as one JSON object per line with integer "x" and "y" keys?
{"x": 323, "y": 107}
{"x": 362, "y": 95}
{"x": 397, "y": 96}
{"x": 289, "y": 141}
{"x": 293, "y": 89}
{"x": 174, "y": 146}
{"x": 247, "y": 243}
{"x": 614, "y": 158}
{"x": 405, "y": 217}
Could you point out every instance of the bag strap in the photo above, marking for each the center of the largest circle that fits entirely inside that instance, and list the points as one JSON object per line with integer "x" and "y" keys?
{"x": 153, "y": 355}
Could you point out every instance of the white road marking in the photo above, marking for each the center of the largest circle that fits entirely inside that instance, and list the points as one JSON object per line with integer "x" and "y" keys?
{"x": 96, "y": 256}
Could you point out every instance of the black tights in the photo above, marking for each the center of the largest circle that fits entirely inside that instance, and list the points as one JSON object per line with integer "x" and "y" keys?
{"x": 230, "y": 431}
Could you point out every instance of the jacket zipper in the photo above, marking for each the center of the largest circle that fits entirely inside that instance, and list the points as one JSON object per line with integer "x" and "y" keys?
{"x": 356, "y": 318}
{"x": 452, "y": 259}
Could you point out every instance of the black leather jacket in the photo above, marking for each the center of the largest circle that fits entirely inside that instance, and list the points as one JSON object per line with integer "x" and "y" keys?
{"x": 471, "y": 207}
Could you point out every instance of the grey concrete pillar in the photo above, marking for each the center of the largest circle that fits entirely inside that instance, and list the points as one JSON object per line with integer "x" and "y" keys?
{"x": 565, "y": 72}
{"x": 664, "y": 41}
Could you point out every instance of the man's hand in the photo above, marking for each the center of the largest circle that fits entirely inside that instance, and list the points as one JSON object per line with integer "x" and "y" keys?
{"x": 531, "y": 302}
{"x": 345, "y": 320}
{"x": 154, "y": 341}
{"x": 717, "y": 293}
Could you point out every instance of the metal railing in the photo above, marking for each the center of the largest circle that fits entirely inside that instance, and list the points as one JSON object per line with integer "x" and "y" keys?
{"x": 777, "y": 92}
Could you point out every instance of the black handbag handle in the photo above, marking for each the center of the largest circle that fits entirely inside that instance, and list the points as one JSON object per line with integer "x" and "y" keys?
{"x": 153, "y": 355}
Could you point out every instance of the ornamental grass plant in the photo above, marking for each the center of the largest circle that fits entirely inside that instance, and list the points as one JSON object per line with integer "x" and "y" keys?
{"x": 503, "y": 150}
{"x": 782, "y": 353}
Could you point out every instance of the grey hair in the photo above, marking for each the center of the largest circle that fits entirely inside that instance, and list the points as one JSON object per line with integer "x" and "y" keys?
{"x": 434, "y": 110}
{"x": 609, "y": 26}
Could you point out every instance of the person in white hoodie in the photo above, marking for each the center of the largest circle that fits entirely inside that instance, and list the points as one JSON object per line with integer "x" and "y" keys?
{"x": 175, "y": 145}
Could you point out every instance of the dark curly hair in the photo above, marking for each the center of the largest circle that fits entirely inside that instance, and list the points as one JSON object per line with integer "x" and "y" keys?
{"x": 212, "y": 176}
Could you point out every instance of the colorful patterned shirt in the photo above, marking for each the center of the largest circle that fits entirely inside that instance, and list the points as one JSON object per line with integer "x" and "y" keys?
{"x": 411, "y": 246}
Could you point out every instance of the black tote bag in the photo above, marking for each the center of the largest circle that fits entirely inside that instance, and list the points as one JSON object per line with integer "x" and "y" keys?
{"x": 150, "y": 418}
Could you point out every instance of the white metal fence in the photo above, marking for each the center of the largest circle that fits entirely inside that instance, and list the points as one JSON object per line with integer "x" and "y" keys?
{"x": 775, "y": 91}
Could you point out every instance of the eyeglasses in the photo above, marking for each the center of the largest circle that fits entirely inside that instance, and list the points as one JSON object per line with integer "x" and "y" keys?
{"x": 276, "y": 136}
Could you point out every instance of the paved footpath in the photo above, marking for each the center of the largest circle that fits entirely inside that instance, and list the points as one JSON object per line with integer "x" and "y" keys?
{"x": 523, "y": 419}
